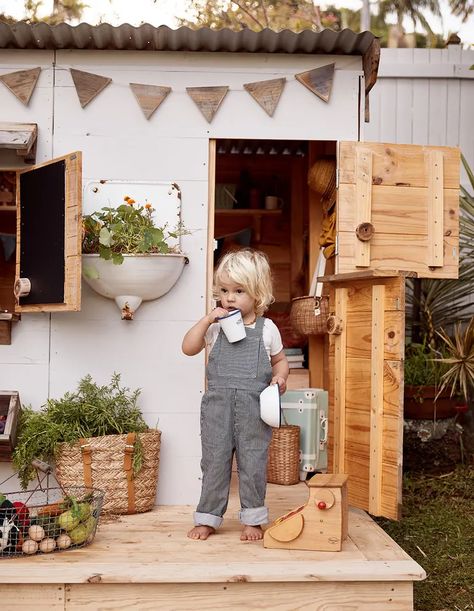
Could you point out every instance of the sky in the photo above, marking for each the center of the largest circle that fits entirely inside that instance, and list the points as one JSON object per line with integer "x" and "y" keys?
{"x": 164, "y": 12}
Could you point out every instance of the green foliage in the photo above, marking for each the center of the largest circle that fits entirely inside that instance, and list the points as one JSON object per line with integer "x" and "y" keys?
{"x": 127, "y": 229}
{"x": 421, "y": 368}
{"x": 62, "y": 11}
{"x": 91, "y": 411}
{"x": 259, "y": 14}
{"x": 437, "y": 531}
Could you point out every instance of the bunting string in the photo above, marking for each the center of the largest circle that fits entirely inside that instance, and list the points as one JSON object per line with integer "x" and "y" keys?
{"x": 266, "y": 93}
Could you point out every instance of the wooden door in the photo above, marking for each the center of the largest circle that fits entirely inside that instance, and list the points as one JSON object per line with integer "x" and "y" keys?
{"x": 398, "y": 208}
{"x": 48, "y": 260}
{"x": 366, "y": 388}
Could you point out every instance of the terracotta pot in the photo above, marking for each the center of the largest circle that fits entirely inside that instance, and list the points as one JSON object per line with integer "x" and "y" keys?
{"x": 419, "y": 403}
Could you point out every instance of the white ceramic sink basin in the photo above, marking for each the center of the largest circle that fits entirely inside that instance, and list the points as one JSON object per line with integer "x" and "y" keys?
{"x": 139, "y": 278}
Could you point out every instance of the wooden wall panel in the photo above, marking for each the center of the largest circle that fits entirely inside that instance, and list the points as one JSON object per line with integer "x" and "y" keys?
{"x": 366, "y": 391}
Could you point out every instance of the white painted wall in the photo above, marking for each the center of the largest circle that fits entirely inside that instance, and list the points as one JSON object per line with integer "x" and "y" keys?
{"x": 49, "y": 353}
{"x": 424, "y": 96}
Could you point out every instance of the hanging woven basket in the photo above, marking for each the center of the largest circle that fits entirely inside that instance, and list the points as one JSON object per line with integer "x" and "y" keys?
{"x": 309, "y": 314}
{"x": 106, "y": 463}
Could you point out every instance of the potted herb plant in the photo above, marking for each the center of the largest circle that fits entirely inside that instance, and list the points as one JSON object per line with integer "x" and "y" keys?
{"x": 127, "y": 257}
{"x": 422, "y": 397}
{"x": 98, "y": 438}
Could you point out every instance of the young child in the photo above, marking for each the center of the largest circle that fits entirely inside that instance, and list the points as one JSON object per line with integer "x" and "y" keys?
{"x": 230, "y": 410}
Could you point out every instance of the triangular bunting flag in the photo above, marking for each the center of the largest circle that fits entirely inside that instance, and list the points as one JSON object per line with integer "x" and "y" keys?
{"x": 266, "y": 93}
{"x": 88, "y": 85}
{"x": 319, "y": 80}
{"x": 149, "y": 97}
{"x": 207, "y": 99}
{"x": 22, "y": 83}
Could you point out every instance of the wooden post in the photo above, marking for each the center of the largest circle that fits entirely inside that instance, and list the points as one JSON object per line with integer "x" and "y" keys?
{"x": 435, "y": 209}
{"x": 340, "y": 383}
{"x": 376, "y": 399}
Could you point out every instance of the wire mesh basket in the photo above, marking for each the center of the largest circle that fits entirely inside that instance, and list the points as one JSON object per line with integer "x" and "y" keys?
{"x": 46, "y": 520}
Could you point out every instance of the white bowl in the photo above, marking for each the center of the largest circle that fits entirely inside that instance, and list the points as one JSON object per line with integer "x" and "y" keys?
{"x": 270, "y": 406}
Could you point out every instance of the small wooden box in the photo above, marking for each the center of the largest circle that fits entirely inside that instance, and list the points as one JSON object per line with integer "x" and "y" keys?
{"x": 320, "y": 525}
{"x": 9, "y": 416}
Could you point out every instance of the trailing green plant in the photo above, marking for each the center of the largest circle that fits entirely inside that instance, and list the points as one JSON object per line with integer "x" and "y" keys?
{"x": 127, "y": 229}
{"x": 458, "y": 358}
{"x": 440, "y": 303}
{"x": 91, "y": 411}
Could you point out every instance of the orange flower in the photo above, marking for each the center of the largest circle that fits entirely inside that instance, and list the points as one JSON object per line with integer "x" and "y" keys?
{"x": 148, "y": 206}
{"x": 126, "y": 198}
{"x": 130, "y": 201}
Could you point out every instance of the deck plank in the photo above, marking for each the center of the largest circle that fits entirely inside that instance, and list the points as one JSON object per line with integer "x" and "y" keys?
{"x": 153, "y": 548}
{"x": 278, "y": 597}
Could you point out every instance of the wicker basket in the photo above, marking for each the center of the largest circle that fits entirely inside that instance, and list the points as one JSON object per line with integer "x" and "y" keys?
{"x": 305, "y": 317}
{"x": 106, "y": 463}
{"x": 283, "y": 465}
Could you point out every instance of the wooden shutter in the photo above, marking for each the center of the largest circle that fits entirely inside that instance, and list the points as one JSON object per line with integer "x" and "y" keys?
{"x": 49, "y": 207}
{"x": 398, "y": 208}
{"x": 366, "y": 388}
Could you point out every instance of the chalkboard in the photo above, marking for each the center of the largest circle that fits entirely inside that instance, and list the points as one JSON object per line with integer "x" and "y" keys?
{"x": 42, "y": 201}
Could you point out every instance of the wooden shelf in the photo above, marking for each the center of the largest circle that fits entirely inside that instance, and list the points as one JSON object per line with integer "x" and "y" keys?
{"x": 254, "y": 214}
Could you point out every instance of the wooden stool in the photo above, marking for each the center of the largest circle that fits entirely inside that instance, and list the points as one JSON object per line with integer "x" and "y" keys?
{"x": 320, "y": 525}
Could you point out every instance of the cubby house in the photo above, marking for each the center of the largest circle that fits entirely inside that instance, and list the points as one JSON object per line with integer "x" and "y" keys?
{"x": 396, "y": 214}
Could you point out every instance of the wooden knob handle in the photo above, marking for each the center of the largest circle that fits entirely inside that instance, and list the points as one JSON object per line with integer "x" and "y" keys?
{"x": 365, "y": 232}
{"x": 22, "y": 287}
{"x": 334, "y": 325}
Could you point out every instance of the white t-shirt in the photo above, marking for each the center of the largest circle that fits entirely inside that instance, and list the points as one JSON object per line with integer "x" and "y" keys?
{"x": 271, "y": 337}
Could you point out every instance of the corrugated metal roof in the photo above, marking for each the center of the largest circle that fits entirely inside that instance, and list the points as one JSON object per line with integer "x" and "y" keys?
{"x": 146, "y": 37}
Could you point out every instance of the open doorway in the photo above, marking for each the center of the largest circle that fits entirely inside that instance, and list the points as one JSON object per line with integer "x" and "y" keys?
{"x": 262, "y": 199}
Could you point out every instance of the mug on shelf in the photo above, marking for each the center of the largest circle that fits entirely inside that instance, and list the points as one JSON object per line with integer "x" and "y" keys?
{"x": 272, "y": 202}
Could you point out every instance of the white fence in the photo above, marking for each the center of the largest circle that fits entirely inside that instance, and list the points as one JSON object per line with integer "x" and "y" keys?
{"x": 424, "y": 96}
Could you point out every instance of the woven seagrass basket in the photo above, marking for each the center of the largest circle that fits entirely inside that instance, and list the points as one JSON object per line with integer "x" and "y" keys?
{"x": 283, "y": 465}
{"x": 309, "y": 314}
{"x": 106, "y": 463}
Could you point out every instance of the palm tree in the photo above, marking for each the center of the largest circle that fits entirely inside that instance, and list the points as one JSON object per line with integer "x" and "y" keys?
{"x": 462, "y": 8}
{"x": 413, "y": 9}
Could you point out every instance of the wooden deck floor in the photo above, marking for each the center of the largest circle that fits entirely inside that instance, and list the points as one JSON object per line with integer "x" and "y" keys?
{"x": 145, "y": 561}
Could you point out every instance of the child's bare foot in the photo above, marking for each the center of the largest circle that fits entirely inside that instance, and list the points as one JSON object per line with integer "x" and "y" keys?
{"x": 201, "y": 532}
{"x": 251, "y": 533}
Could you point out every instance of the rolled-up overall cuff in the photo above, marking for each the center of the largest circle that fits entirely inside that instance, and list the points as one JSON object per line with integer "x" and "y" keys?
{"x": 253, "y": 516}
{"x": 207, "y": 519}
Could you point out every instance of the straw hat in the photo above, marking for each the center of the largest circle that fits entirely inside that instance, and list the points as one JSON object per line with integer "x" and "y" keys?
{"x": 322, "y": 180}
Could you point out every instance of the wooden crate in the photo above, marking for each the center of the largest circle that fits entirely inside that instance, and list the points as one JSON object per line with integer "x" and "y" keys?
{"x": 9, "y": 415}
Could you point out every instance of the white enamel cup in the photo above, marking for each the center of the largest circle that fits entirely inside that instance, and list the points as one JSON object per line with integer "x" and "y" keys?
{"x": 233, "y": 326}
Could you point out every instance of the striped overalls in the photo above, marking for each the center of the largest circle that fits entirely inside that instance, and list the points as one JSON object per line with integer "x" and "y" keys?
{"x": 230, "y": 421}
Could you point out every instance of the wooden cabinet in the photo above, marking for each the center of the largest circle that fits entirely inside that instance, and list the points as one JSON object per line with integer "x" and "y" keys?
{"x": 397, "y": 214}
{"x": 48, "y": 242}
{"x": 398, "y": 208}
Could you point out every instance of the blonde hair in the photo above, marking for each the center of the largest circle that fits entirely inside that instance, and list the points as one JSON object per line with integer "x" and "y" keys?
{"x": 251, "y": 269}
